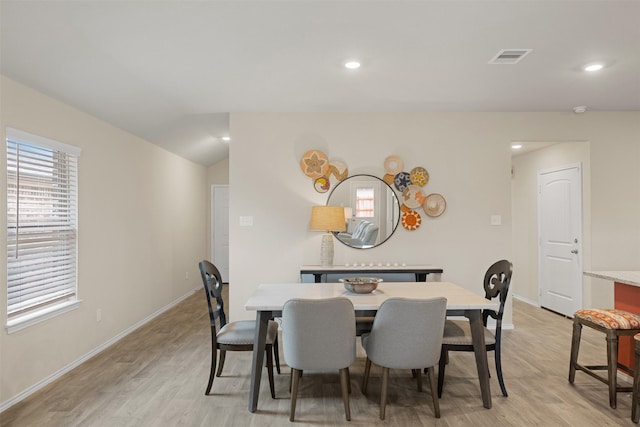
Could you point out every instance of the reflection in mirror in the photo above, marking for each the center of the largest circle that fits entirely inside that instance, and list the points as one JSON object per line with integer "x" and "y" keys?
{"x": 372, "y": 210}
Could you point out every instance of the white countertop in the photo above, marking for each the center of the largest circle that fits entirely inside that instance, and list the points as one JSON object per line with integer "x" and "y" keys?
{"x": 626, "y": 277}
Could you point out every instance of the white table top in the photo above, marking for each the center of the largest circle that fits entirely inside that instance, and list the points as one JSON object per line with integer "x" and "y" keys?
{"x": 627, "y": 277}
{"x": 274, "y": 296}
{"x": 369, "y": 266}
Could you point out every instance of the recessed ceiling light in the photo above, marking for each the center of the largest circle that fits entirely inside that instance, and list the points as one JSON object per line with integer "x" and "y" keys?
{"x": 226, "y": 138}
{"x": 352, "y": 65}
{"x": 593, "y": 67}
{"x": 516, "y": 146}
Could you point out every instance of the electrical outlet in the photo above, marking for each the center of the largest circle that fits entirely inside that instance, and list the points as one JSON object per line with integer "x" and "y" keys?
{"x": 98, "y": 315}
{"x": 186, "y": 276}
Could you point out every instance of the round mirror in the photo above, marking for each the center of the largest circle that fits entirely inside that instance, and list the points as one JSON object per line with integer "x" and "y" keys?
{"x": 372, "y": 210}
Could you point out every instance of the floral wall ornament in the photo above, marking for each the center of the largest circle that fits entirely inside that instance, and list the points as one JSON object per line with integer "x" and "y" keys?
{"x": 410, "y": 185}
{"x": 316, "y": 165}
{"x": 419, "y": 176}
{"x": 411, "y": 220}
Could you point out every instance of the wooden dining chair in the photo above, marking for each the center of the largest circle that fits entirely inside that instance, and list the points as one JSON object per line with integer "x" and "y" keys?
{"x": 232, "y": 336}
{"x": 319, "y": 335}
{"x": 406, "y": 334}
{"x": 457, "y": 333}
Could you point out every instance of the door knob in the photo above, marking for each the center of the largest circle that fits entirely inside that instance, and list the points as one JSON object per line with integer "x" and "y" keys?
{"x": 574, "y": 251}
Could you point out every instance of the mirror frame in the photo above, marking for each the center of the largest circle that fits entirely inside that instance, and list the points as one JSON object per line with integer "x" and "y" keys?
{"x": 383, "y": 186}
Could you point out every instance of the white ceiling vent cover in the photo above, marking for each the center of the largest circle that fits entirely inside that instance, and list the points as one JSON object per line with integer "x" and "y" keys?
{"x": 509, "y": 56}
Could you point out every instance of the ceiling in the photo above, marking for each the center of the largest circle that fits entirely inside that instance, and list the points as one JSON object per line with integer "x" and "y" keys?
{"x": 172, "y": 71}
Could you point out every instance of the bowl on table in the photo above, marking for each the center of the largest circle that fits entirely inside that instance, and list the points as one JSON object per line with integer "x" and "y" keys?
{"x": 360, "y": 285}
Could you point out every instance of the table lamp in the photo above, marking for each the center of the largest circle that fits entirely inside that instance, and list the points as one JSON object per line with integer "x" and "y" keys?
{"x": 327, "y": 219}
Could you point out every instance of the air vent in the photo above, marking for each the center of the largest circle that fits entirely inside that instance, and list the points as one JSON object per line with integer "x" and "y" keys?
{"x": 509, "y": 56}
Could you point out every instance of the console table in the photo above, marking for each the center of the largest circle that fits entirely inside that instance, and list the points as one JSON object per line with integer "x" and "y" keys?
{"x": 320, "y": 272}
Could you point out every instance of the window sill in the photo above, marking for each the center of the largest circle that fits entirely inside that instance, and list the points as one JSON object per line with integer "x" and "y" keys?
{"x": 22, "y": 322}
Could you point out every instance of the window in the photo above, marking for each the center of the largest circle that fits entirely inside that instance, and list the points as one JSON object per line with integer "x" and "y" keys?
{"x": 41, "y": 228}
{"x": 365, "y": 202}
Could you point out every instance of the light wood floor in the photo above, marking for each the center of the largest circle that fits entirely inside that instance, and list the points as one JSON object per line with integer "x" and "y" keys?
{"x": 157, "y": 376}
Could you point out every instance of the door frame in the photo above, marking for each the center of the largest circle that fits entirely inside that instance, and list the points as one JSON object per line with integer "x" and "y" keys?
{"x": 213, "y": 223}
{"x": 580, "y": 237}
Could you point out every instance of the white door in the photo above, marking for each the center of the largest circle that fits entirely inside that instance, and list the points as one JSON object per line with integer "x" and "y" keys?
{"x": 560, "y": 239}
{"x": 220, "y": 229}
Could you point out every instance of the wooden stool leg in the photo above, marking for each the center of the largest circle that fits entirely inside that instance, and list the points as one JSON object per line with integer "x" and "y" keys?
{"x": 612, "y": 360}
{"x": 575, "y": 347}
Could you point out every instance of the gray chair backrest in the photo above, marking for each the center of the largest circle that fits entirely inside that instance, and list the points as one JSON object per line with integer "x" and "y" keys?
{"x": 370, "y": 235}
{"x": 407, "y": 333}
{"x": 358, "y": 232}
{"x": 319, "y": 334}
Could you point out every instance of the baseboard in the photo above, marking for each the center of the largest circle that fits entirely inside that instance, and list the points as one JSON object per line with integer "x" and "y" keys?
{"x": 526, "y": 300}
{"x": 40, "y": 384}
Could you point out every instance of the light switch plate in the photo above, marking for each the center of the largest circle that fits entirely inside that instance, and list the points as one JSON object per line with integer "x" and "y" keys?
{"x": 246, "y": 221}
{"x": 496, "y": 220}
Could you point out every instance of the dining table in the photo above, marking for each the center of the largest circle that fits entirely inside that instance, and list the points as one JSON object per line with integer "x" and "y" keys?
{"x": 269, "y": 298}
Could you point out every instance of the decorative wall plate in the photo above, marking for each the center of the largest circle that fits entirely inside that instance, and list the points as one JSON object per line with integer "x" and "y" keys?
{"x": 393, "y": 165}
{"x": 401, "y": 181}
{"x": 412, "y": 196}
{"x": 314, "y": 164}
{"x": 388, "y": 178}
{"x": 419, "y": 176}
{"x": 338, "y": 170}
{"x": 411, "y": 220}
{"x": 322, "y": 184}
{"x": 434, "y": 205}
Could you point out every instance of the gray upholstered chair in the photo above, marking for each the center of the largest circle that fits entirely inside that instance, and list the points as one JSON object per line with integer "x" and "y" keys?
{"x": 406, "y": 334}
{"x": 457, "y": 333}
{"x": 319, "y": 335}
{"x": 232, "y": 336}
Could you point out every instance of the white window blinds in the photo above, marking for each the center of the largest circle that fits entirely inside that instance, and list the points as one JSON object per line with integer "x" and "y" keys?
{"x": 41, "y": 223}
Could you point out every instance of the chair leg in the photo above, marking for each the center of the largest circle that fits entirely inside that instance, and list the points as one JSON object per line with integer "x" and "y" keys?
{"x": 383, "y": 392}
{"x": 444, "y": 355}
{"x": 344, "y": 385}
{"x": 348, "y": 379}
{"x": 214, "y": 355}
{"x": 575, "y": 347}
{"x": 499, "y": 370}
{"x": 223, "y": 354}
{"x": 276, "y": 354}
{"x": 270, "y": 372}
{"x": 432, "y": 384}
{"x": 295, "y": 375}
{"x": 419, "y": 376}
{"x": 365, "y": 377}
{"x": 612, "y": 359}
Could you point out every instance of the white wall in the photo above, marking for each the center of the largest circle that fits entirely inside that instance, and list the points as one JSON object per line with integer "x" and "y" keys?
{"x": 142, "y": 228}
{"x": 470, "y": 167}
{"x": 525, "y": 218}
{"x": 468, "y": 158}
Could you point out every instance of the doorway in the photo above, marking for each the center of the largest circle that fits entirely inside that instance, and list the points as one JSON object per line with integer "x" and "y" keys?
{"x": 560, "y": 239}
{"x": 220, "y": 229}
